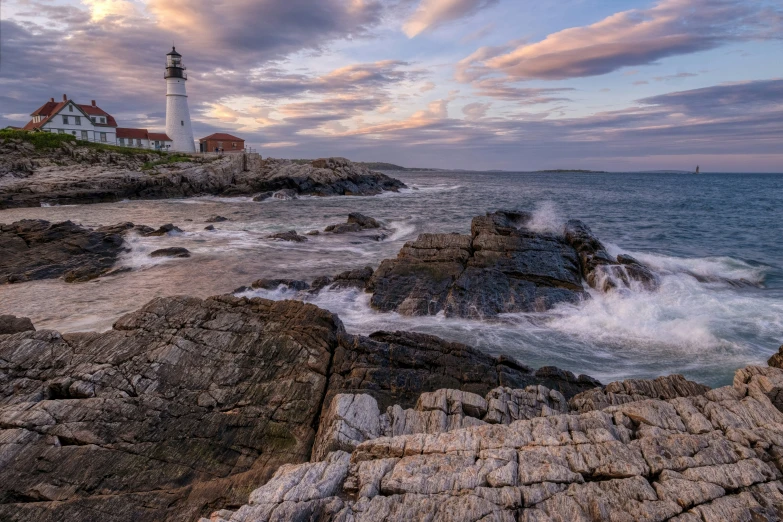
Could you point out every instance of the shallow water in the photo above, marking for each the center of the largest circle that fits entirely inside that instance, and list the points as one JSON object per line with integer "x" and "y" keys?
{"x": 698, "y": 231}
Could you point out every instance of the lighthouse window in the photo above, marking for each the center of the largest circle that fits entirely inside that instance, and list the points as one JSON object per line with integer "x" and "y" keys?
{"x": 182, "y": 122}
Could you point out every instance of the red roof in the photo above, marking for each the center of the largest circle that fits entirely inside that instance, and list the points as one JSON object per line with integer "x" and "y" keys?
{"x": 51, "y": 108}
{"x": 136, "y": 134}
{"x": 221, "y": 136}
{"x": 159, "y": 136}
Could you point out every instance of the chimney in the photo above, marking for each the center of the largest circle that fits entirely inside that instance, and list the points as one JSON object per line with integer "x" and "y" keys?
{"x": 51, "y": 100}
{"x": 65, "y": 97}
{"x": 93, "y": 103}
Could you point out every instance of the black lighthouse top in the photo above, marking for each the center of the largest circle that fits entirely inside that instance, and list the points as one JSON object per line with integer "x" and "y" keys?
{"x": 174, "y": 67}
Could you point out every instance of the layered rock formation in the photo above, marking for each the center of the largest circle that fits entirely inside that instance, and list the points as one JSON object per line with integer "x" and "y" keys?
{"x": 715, "y": 456}
{"x": 79, "y": 174}
{"x": 501, "y": 267}
{"x": 187, "y": 404}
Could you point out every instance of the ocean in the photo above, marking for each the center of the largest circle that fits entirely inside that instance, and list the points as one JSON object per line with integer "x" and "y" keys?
{"x": 715, "y": 239}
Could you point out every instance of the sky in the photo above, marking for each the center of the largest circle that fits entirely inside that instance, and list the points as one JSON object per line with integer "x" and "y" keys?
{"x": 617, "y": 85}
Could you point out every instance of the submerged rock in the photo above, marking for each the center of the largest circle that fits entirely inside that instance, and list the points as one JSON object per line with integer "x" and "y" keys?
{"x": 171, "y": 252}
{"x": 285, "y": 194}
{"x": 356, "y": 223}
{"x": 263, "y": 196}
{"x": 274, "y": 284}
{"x": 216, "y": 219}
{"x": 291, "y": 235}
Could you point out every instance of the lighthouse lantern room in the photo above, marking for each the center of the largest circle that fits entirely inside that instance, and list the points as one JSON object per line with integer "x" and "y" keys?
{"x": 178, "y": 125}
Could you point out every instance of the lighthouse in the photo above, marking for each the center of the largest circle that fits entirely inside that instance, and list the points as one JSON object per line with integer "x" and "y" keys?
{"x": 177, "y": 114}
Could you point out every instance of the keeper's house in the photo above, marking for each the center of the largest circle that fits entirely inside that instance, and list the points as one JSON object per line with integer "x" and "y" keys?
{"x": 222, "y": 141}
{"x": 91, "y": 123}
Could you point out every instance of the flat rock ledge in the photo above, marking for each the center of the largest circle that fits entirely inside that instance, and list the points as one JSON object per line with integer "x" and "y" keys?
{"x": 187, "y": 405}
{"x": 713, "y": 455}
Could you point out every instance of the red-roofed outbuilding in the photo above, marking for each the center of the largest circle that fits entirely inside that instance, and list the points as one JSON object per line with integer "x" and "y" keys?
{"x": 221, "y": 141}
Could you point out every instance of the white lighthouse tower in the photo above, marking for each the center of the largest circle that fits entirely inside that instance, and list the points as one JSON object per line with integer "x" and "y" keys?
{"x": 177, "y": 114}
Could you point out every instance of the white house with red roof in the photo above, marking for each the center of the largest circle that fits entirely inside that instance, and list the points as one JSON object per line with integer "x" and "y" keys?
{"x": 91, "y": 123}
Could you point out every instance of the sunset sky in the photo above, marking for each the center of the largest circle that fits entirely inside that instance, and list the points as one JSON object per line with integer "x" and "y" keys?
{"x": 469, "y": 84}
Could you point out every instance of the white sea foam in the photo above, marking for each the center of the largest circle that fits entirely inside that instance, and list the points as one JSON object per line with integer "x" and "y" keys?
{"x": 546, "y": 219}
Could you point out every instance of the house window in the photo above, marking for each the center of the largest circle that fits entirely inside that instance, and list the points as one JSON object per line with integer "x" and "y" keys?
{"x": 65, "y": 120}
{"x": 60, "y": 131}
{"x": 93, "y": 119}
{"x": 70, "y": 108}
{"x": 103, "y": 120}
{"x": 78, "y": 120}
{"x": 138, "y": 142}
{"x": 84, "y": 135}
{"x": 234, "y": 144}
{"x": 220, "y": 144}
{"x": 73, "y": 132}
{"x": 103, "y": 137}
{"x": 122, "y": 141}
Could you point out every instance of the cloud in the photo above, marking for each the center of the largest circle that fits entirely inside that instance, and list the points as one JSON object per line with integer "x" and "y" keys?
{"x": 427, "y": 87}
{"x": 501, "y": 89}
{"x": 433, "y": 13}
{"x": 476, "y": 110}
{"x": 629, "y": 38}
{"x": 677, "y": 76}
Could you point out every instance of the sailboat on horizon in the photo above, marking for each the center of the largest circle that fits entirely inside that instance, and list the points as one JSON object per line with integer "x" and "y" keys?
{"x": 697, "y": 169}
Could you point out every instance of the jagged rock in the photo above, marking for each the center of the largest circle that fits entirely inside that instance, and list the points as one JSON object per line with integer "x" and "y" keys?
{"x": 499, "y": 268}
{"x": 37, "y": 249}
{"x": 170, "y": 252}
{"x": 291, "y": 235}
{"x": 216, "y": 219}
{"x": 631, "y": 390}
{"x": 10, "y": 324}
{"x": 636, "y": 461}
{"x": 349, "y": 421}
{"x": 173, "y": 412}
{"x": 777, "y": 359}
{"x": 274, "y": 284}
{"x": 600, "y": 270}
{"x": 209, "y": 227}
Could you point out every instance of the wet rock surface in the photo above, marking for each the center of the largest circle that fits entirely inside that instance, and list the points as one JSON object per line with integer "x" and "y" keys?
{"x": 74, "y": 174}
{"x": 170, "y": 252}
{"x": 37, "y": 249}
{"x": 188, "y": 404}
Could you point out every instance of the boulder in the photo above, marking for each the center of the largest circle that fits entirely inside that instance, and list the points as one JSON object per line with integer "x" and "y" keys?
{"x": 10, "y": 324}
{"x": 777, "y": 359}
{"x": 171, "y": 252}
{"x": 37, "y": 249}
{"x": 161, "y": 231}
{"x": 209, "y": 227}
{"x": 352, "y": 279}
{"x": 216, "y": 219}
{"x": 499, "y": 268}
{"x": 285, "y": 194}
{"x": 356, "y": 223}
{"x": 291, "y": 235}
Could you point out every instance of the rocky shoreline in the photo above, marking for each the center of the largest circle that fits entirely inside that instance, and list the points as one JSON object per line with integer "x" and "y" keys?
{"x": 238, "y": 408}
{"x": 74, "y": 174}
{"x": 250, "y": 410}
